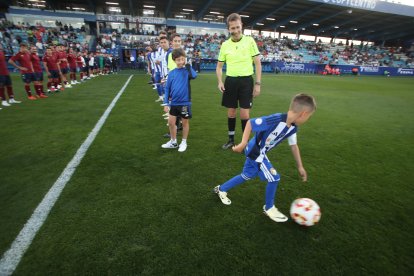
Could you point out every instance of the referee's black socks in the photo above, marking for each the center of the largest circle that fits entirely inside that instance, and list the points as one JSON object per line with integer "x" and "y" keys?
{"x": 231, "y": 123}
{"x": 243, "y": 123}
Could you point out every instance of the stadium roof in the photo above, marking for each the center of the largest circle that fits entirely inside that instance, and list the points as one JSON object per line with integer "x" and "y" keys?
{"x": 306, "y": 17}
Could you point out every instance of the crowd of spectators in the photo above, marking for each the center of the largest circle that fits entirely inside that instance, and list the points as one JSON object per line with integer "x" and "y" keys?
{"x": 273, "y": 49}
{"x": 205, "y": 46}
{"x": 11, "y": 35}
{"x": 297, "y": 50}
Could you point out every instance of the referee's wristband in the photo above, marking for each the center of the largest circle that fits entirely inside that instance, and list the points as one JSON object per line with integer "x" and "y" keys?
{"x": 258, "y": 83}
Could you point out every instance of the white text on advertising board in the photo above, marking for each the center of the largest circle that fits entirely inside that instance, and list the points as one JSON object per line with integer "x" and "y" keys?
{"x": 362, "y": 4}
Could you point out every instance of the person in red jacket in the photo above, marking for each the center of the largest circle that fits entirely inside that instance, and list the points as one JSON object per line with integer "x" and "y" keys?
{"x": 38, "y": 72}
{"x": 26, "y": 68}
{"x": 5, "y": 81}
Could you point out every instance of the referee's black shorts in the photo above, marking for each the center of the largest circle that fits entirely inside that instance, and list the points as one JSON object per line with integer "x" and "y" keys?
{"x": 238, "y": 92}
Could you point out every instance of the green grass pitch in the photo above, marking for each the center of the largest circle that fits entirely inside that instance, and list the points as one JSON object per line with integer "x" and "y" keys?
{"x": 132, "y": 208}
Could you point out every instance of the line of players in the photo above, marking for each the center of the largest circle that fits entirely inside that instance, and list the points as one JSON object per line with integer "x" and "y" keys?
{"x": 160, "y": 63}
{"x": 60, "y": 64}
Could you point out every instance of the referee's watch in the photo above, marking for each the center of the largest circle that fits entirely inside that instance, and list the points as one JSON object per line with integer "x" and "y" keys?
{"x": 258, "y": 83}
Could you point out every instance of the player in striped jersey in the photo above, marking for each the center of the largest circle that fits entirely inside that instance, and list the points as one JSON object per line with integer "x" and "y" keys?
{"x": 270, "y": 131}
{"x": 156, "y": 65}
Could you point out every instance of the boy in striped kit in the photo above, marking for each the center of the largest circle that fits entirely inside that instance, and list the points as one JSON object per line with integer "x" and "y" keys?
{"x": 269, "y": 132}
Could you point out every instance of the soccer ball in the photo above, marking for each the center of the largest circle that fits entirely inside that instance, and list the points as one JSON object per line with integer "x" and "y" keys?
{"x": 305, "y": 211}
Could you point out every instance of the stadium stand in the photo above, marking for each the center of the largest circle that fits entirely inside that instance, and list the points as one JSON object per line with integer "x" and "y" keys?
{"x": 119, "y": 38}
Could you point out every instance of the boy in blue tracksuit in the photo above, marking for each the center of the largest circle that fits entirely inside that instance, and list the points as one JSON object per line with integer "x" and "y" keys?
{"x": 270, "y": 131}
{"x": 177, "y": 99}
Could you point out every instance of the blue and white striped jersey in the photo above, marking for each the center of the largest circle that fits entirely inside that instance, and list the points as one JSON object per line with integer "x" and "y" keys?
{"x": 270, "y": 131}
{"x": 164, "y": 62}
{"x": 155, "y": 56}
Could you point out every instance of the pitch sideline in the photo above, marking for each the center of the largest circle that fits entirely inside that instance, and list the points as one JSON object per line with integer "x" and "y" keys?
{"x": 12, "y": 257}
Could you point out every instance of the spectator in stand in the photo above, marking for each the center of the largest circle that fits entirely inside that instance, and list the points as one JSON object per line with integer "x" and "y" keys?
{"x": 38, "y": 72}
{"x": 5, "y": 81}
{"x": 26, "y": 68}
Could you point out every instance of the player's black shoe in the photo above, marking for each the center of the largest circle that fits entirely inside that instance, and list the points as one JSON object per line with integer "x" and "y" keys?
{"x": 228, "y": 145}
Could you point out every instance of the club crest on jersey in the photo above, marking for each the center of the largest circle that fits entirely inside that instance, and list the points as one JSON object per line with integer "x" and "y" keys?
{"x": 273, "y": 171}
{"x": 258, "y": 121}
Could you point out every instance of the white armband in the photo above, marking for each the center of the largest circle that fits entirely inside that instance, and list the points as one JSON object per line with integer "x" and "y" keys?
{"x": 292, "y": 139}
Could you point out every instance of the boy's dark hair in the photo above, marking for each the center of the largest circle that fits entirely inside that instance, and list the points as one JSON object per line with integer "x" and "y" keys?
{"x": 301, "y": 101}
{"x": 23, "y": 44}
{"x": 175, "y": 35}
{"x": 233, "y": 17}
{"x": 176, "y": 53}
{"x": 163, "y": 37}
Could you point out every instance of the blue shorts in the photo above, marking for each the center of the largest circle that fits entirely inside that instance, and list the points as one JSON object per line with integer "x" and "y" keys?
{"x": 28, "y": 77}
{"x": 73, "y": 70}
{"x": 64, "y": 70}
{"x": 54, "y": 74}
{"x": 38, "y": 76}
{"x": 5, "y": 81}
{"x": 265, "y": 170}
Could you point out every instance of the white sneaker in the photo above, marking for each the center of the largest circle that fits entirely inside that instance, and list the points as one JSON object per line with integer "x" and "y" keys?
{"x": 68, "y": 85}
{"x": 274, "y": 214}
{"x": 169, "y": 145}
{"x": 5, "y": 103}
{"x": 166, "y": 114}
{"x": 222, "y": 195}
{"x": 13, "y": 101}
{"x": 160, "y": 99}
{"x": 59, "y": 86}
{"x": 182, "y": 147}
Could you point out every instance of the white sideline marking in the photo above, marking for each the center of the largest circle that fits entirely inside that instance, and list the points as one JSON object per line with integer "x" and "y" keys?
{"x": 12, "y": 257}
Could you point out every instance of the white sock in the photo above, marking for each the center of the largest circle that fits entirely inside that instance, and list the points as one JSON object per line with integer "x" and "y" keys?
{"x": 174, "y": 141}
{"x": 184, "y": 141}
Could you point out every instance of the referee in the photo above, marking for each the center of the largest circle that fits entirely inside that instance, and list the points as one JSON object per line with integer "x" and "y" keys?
{"x": 239, "y": 53}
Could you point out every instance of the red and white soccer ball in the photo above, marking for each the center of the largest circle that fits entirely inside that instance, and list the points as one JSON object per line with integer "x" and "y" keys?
{"x": 305, "y": 211}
